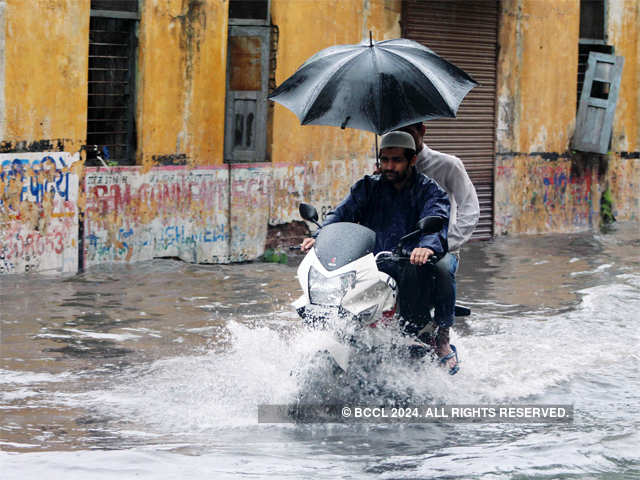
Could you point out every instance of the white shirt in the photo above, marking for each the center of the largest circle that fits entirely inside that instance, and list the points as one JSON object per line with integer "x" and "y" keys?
{"x": 451, "y": 175}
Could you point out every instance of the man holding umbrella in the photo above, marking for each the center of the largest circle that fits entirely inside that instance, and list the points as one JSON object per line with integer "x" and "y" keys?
{"x": 391, "y": 204}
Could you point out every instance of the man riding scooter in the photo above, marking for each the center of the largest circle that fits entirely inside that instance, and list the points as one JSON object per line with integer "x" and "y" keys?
{"x": 391, "y": 204}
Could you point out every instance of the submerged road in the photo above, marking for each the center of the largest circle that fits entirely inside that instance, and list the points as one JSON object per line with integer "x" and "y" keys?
{"x": 155, "y": 370}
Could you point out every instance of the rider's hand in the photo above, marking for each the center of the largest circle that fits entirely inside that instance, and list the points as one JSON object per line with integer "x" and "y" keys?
{"x": 419, "y": 256}
{"x": 307, "y": 243}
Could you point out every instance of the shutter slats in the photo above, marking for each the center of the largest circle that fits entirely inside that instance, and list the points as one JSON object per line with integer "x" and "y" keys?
{"x": 465, "y": 33}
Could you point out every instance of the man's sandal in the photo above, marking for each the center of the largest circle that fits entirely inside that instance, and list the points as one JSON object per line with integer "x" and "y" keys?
{"x": 454, "y": 354}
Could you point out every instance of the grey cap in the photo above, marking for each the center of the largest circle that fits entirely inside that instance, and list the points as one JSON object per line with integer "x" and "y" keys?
{"x": 397, "y": 139}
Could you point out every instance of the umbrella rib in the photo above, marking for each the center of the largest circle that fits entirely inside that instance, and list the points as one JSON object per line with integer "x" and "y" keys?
{"x": 413, "y": 67}
{"x": 323, "y": 54}
{"x": 424, "y": 51}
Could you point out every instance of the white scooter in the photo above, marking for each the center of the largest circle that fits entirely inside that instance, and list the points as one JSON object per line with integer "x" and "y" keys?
{"x": 346, "y": 293}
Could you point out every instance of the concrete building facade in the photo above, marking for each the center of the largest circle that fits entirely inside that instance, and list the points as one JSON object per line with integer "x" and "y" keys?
{"x": 135, "y": 129}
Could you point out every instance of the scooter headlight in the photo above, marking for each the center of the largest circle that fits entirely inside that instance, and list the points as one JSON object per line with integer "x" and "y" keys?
{"x": 329, "y": 290}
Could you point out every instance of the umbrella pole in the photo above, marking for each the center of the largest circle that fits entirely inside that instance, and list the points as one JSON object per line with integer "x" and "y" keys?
{"x": 375, "y": 135}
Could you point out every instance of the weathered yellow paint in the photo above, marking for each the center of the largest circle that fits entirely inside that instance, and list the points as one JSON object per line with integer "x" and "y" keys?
{"x": 45, "y": 46}
{"x": 181, "y": 83}
{"x": 559, "y": 191}
{"x": 305, "y": 28}
{"x": 46, "y": 64}
{"x": 623, "y": 174}
{"x": 538, "y": 66}
{"x": 624, "y": 16}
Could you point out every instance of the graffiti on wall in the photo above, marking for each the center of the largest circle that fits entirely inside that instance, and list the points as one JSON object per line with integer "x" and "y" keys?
{"x": 536, "y": 196}
{"x": 172, "y": 211}
{"x": 214, "y": 214}
{"x": 251, "y": 185}
{"x": 38, "y": 212}
{"x": 624, "y": 182}
{"x": 322, "y": 184}
{"x": 165, "y": 212}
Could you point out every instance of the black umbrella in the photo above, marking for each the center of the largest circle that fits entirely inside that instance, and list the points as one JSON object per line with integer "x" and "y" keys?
{"x": 374, "y": 86}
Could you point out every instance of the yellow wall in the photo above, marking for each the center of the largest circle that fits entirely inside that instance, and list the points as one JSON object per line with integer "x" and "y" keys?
{"x": 537, "y": 72}
{"x": 623, "y": 35}
{"x": 541, "y": 186}
{"x": 46, "y": 63}
{"x": 538, "y": 188}
{"x": 181, "y": 83}
{"x": 623, "y": 174}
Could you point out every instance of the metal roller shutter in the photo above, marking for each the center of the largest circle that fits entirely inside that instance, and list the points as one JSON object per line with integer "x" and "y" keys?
{"x": 466, "y": 34}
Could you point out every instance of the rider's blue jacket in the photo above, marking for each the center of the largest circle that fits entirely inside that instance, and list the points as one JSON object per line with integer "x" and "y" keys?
{"x": 375, "y": 203}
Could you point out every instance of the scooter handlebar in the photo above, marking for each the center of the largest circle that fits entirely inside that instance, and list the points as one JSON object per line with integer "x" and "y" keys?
{"x": 404, "y": 257}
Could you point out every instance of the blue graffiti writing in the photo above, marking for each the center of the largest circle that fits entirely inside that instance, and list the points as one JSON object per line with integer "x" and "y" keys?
{"x": 39, "y": 177}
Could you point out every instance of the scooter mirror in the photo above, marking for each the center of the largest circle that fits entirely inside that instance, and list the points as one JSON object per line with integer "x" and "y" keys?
{"x": 430, "y": 224}
{"x": 308, "y": 212}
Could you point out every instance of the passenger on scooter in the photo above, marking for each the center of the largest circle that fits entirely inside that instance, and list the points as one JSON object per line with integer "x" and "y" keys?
{"x": 391, "y": 203}
{"x": 451, "y": 175}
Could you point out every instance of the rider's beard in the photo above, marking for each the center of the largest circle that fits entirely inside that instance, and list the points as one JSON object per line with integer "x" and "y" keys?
{"x": 394, "y": 176}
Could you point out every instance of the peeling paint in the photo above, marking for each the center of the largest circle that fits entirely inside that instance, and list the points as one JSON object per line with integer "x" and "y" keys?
{"x": 623, "y": 178}
{"x": 540, "y": 141}
{"x": 46, "y": 68}
{"x": 35, "y": 146}
{"x": 623, "y": 17}
{"x": 38, "y": 212}
{"x": 537, "y": 188}
{"x": 537, "y": 67}
{"x": 170, "y": 159}
{"x": 193, "y": 22}
{"x": 133, "y": 215}
{"x": 322, "y": 184}
{"x": 366, "y": 12}
{"x": 538, "y": 196}
{"x": 249, "y": 210}
{"x": 3, "y": 8}
{"x": 182, "y": 78}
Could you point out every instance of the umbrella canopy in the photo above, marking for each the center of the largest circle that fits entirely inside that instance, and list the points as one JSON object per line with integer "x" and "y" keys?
{"x": 374, "y": 86}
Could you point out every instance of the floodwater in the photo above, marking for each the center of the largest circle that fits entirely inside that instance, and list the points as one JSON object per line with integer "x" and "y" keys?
{"x": 155, "y": 371}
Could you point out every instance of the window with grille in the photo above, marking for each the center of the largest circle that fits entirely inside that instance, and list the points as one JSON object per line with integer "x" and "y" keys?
{"x": 111, "y": 132}
{"x": 593, "y": 36}
{"x": 249, "y": 10}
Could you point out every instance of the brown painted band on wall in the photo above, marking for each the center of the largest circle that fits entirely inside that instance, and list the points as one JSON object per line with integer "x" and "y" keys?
{"x": 556, "y": 155}
{"x": 543, "y": 155}
{"x": 23, "y": 146}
